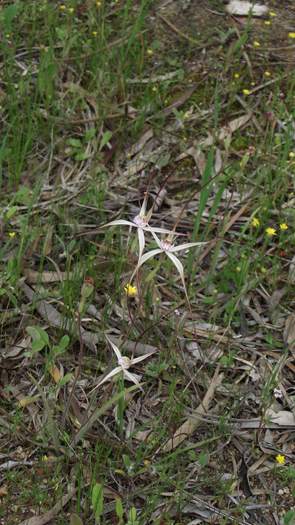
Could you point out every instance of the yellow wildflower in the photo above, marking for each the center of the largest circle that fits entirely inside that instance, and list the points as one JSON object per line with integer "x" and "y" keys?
{"x": 255, "y": 222}
{"x": 130, "y": 290}
{"x": 267, "y": 22}
{"x": 272, "y": 14}
{"x": 62, "y": 7}
{"x": 291, "y": 35}
{"x": 267, "y": 73}
{"x": 11, "y": 235}
{"x": 94, "y": 33}
{"x": 270, "y": 231}
{"x": 280, "y": 459}
{"x": 237, "y": 75}
{"x": 98, "y": 3}
{"x": 149, "y": 52}
{"x": 246, "y": 91}
{"x": 291, "y": 155}
{"x": 283, "y": 226}
{"x": 154, "y": 89}
{"x": 256, "y": 43}
{"x": 71, "y": 10}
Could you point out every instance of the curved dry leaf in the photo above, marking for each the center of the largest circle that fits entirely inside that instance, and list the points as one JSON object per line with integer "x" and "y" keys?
{"x": 282, "y": 418}
{"x": 243, "y": 8}
{"x": 289, "y": 332}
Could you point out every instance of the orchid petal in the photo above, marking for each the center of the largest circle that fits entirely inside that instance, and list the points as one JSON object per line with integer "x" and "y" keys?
{"x": 119, "y": 222}
{"x": 115, "y": 348}
{"x": 113, "y": 373}
{"x": 141, "y": 241}
{"x": 148, "y": 256}
{"x": 156, "y": 239}
{"x": 140, "y": 358}
{"x": 142, "y": 212}
{"x": 145, "y": 258}
{"x": 186, "y": 246}
{"x": 179, "y": 267}
{"x": 177, "y": 264}
{"x": 134, "y": 378}
{"x": 158, "y": 230}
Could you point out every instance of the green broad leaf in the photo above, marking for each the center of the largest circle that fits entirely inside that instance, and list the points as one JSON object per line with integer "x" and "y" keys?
{"x": 105, "y": 139}
{"x": 62, "y": 346}
{"x": 74, "y": 143}
{"x": 39, "y": 337}
{"x": 119, "y": 508}
{"x": 289, "y": 518}
{"x": 8, "y": 14}
{"x": 90, "y": 134}
{"x": 66, "y": 379}
{"x": 97, "y": 500}
{"x": 82, "y": 155}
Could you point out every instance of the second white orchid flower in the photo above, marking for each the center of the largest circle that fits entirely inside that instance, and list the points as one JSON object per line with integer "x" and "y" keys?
{"x": 124, "y": 363}
{"x": 167, "y": 247}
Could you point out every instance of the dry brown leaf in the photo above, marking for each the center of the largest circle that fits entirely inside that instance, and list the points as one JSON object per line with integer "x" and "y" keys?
{"x": 232, "y": 126}
{"x": 243, "y": 8}
{"x": 190, "y": 425}
{"x": 28, "y": 400}
{"x": 289, "y": 332}
{"x": 45, "y": 277}
{"x": 281, "y": 418}
{"x": 291, "y": 275}
{"x": 75, "y": 520}
{"x": 17, "y": 349}
{"x": 56, "y": 373}
{"x": 3, "y": 491}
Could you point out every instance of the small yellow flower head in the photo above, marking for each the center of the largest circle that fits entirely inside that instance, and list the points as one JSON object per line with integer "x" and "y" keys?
{"x": 272, "y": 14}
{"x": 267, "y": 73}
{"x": 149, "y": 52}
{"x": 270, "y": 232}
{"x": 94, "y": 33}
{"x": 237, "y": 75}
{"x": 256, "y": 43}
{"x": 246, "y": 92}
{"x": 280, "y": 459}
{"x": 62, "y": 7}
{"x": 11, "y": 235}
{"x": 283, "y": 226}
{"x": 255, "y": 222}
{"x": 291, "y": 35}
{"x": 292, "y": 155}
{"x": 71, "y": 10}
{"x": 130, "y": 290}
{"x": 154, "y": 89}
{"x": 238, "y": 269}
{"x": 267, "y": 22}
{"x": 98, "y": 3}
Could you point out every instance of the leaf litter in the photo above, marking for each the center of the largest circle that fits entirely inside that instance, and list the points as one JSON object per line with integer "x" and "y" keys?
{"x": 228, "y": 363}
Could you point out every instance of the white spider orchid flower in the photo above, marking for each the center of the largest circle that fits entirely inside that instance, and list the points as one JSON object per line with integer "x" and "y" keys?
{"x": 124, "y": 363}
{"x": 166, "y": 246}
{"x": 141, "y": 222}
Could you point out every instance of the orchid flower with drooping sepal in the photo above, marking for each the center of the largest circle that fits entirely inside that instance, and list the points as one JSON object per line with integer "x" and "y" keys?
{"x": 124, "y": 363}
{"x": 166, "y": 246}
